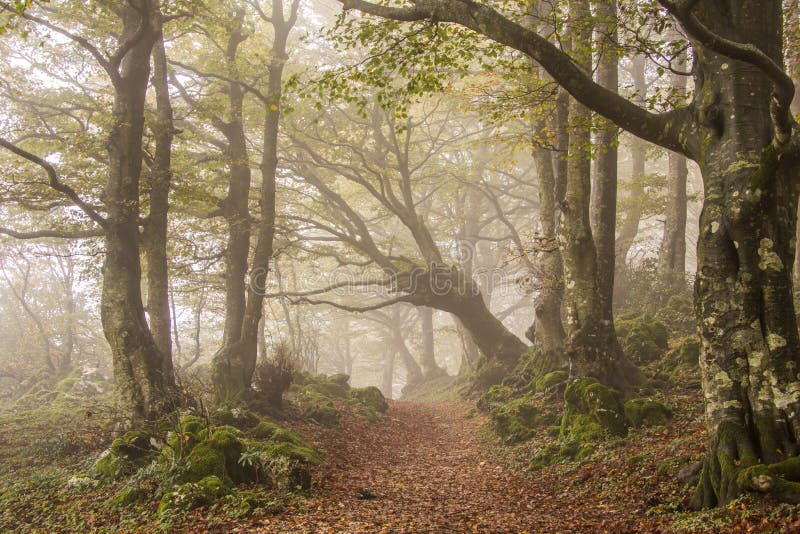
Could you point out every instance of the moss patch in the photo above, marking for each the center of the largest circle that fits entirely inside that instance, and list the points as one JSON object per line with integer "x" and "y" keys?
{"x": 643, "y": 338}
{"x": 646, "y": 412}
{"x": 592, "y": 412}
{"x": 371, "y": 397}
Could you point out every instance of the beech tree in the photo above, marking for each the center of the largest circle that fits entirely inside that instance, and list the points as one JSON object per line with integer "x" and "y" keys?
{"x": 739, "y": 129}
{"x": 145, "y": 384}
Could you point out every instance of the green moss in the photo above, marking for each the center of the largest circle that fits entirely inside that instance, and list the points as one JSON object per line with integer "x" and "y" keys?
{"x": 549, "y": 380}
{"x": 592, "y": 412}
{"x": 265, "y": 430}
{"x": 322, "y": 414}
{"x": 516, "y": 420}
{"x": 371, "y": 397}
{"x": 767, "y": 168}
{"x": 684, "y": 357}
{"x": 489, "y": 373}
{"x": 204, "y": 460}
{"x": 235, "y": 417}
{"x": 127, "y": 453}
{"x": 496, "y": 394}
{"x": 643, "y": 338}
{"x": 646, "y": 412}
{"x": 127, "y": 496}
{"x": 298, "y": 453}
{"x": 193, "y": 494}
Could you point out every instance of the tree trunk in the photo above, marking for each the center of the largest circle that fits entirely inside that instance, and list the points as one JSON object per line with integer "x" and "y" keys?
{"x": 430, "y": 369}
{"x": 592, "y": 347}
{"x": 604, "y": 208}
{"x": 235, "y": 364}
{"x": 144, "y": 391}
{"x": 154, "y": 240}
{"x": 387, "y": 373}
{"x": 745, "y": 252}
{"x": 633, "y": 214}
{"x": 548, "y": 331}
{"x": 672, "y": 253}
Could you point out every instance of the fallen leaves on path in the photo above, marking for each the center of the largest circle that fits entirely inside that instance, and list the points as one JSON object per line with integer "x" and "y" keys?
{"x": 430, "y": 470}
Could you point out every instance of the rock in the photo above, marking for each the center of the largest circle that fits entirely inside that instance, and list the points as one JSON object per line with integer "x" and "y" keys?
{"x": 647, "y": 412}
{"x": 592, "y": 412}
{"x": 371, "y": 397}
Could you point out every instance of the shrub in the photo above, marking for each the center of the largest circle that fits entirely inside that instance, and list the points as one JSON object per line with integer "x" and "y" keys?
{"x": 274, "y": 375}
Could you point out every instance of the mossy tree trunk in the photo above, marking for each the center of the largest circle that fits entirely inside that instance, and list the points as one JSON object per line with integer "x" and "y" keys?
{"x": 144, "y": 390}
{"x": 745, "y": 252}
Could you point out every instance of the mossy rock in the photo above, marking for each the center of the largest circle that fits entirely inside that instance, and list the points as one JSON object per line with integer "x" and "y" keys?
{"x": 340, "y": 379}
{"x": 592, "y": 412}
{"x": 549, "y": 380}
{"x": 235, "y": 417}
{"x": 127, "y": 496}
{"x": 643, "y": 338}
{"x": 543, "y": 457}
{"x": 684, "y": 357}
{"x": 496, "y": 394}
{"x": 371, "y": 397}
{"x": 299, "y": 453}
{"x": 516, "y": 420}
{"x": 647, "y": 412}
{"x": 328, "y": 390}
{"x": 193, "y": 494}
{"x": 322, "y": 414}
{"x": 127, "y": 454}
{"x": 218, "y": 456}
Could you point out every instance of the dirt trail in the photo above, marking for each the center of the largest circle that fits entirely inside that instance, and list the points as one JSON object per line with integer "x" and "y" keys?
{"x": 430, "y": 471}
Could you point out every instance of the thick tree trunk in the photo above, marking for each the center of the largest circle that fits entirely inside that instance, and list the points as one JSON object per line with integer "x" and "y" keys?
{"x": 144, "y": 390}
{"x": 604, "y": 208}
{"x": 745, "y": 252}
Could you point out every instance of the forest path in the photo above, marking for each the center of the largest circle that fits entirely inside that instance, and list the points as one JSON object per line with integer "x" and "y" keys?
{"x": 431, "y": 471}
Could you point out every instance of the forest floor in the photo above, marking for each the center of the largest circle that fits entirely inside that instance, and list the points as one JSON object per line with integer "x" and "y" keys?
{"x": 435, "y": 467}
{"x": 421, "y": 467}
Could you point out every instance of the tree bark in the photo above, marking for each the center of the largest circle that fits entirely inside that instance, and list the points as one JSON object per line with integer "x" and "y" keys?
{"x": 235, "y": 364}
{"x": 745, "y": 252}
{"x": 592, "y": 347}
{"x": 633, "y": 214}
{"x": 154, "y": 239}
{"x": 430, "y": 369}
{"x": 144, "y": 390}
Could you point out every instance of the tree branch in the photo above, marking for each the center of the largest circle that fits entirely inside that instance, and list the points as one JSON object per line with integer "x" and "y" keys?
{"x": 55, "y": 183}
{"x": 57, "y": 234}
{"x": 672, "y": 130}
